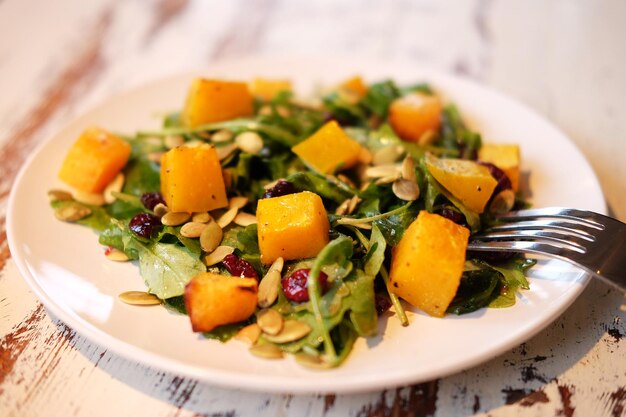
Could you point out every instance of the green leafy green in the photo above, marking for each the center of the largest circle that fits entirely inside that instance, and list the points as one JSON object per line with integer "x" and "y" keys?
{"x": 165, "y": 267}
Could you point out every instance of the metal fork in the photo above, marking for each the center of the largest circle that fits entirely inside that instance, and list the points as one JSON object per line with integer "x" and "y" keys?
{"x": 591, "y": 241}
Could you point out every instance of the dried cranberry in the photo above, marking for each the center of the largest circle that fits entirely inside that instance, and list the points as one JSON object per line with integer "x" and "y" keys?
{"x": 282, "y": 187}
{"x": 382, "y": 302}
{"x": 504, "y": 183}
{"x": 295, "y": 286}
{"x": 150, "y": 200}
{"x": 144, "y": 224}
{"x": 239, "y": 267}
{"x": 452, "y": 214}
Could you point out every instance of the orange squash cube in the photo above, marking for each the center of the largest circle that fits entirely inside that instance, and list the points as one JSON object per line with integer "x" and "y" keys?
{"x": 468, "y": 181}
{"x": 329, "y": 149}
{"x": 191, "y": 179}
{"x": 267, "y": 89}
{"x": 213, "y": 300}
{"x": 414, "y": 114}
{"x": 354, "y": 88}
{"x": 506, "y": 157}
{"x": 293, "y": 226}
{"x": 94, "y": 160}
{"x": 427, "y": 264}
{"x": 211, "y": 101}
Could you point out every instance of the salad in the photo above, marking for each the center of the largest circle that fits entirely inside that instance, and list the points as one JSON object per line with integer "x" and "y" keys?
{"x": 296, "y": 225}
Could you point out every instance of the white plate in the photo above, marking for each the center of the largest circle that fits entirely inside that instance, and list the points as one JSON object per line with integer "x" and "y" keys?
{"x": 65, "y": 266}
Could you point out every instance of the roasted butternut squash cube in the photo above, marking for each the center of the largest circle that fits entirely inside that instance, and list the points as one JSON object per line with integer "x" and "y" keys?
{"x": 329, "y": 149}
{"x": 94, "y": 160}
{"x": 466, "y": 180}
{"x": 414, "y": 114}
{"x": 506, "y": 157}
{"x": 427, "y": 264}
{"x": 211, "y": 101}
{"x": 191, "y": 179}
{"x": 354, "y": 88}
{"x": 213, "y": 300}
{"x": 266, "y": 89}
{"x": 293, "y": 226}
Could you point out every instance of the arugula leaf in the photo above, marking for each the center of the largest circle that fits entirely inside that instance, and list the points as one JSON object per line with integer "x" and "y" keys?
{"x": 165, "y": 267}
{"x": 514, "y": 279}
{"x": 475, "y": 290}
{"x": 98, "y": 220}
{"x": 379, "y": 96}
{"x": 456, "y": 136}
{"x": 310, "y": 181}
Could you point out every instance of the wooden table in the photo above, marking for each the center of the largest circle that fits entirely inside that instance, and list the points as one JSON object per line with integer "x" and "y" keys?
{"x": 565, "y": 59}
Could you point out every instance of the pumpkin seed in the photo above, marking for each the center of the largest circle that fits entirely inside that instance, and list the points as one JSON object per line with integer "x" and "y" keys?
{"x": 265, "y": 110}
{"x": 139, "y": 298}
{"x": 381, "y": 171}
{"x": 502, "y": 202}
{"x": 175, "y": 218}
{"x": 249, "y": 334}
{"x": 224, "y": 151}
{"x": 427, "y": 138}
{"x": 59, "y": 195}
{"x": 354, "y": 201}
{"x": 270, "y": 321}
{"x": 226, "y": 218}
{"x": 93, "y": 199}
{"x": 218, "y": 255}
{"x": 244, "y": 219}
{"x": 116, "y": 255}
{"x": 405, "y": 189}
{"x": 283, "y": 111}
{"x": 347, "y": 180}
{"x": 387, "y": 155}
{"x": 292, "y": 330}
{"x": 223, "y": 135}
{"x": 72, "y": 212}
{"x": 160, "y": 210}
{"x": 192, "y": 229}
{"x": 172, "y": 141}
{"x": 388, "y": 179}
{"x": 342, "y": 209}
{"x": 238, "y": 202}
{"x": 194, "y": 143}
{"x": 250, "y": 142}
{"x": 201, "y": 217}
{"x": 114, "y": 186}
{"x": 211, "y": 237}
{"x": 311, "y": 361}
{"x": 155, "y": 157}
{"x": 266, "y": 351}
{"x": 268, "y": 288}
{"x": 272, "y": 184}
{"x": 408, "y": 169}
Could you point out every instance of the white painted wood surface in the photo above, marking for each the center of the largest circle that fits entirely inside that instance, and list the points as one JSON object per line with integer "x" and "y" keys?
{"x": 564, "y": 58}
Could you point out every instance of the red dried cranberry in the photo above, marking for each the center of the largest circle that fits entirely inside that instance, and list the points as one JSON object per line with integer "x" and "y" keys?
{"x": 295, "y": 286}
{"x": 504, "y": 183}
{"x": 452, "y": 214}
{"x": 150, "y": 200}
{"x": 282, "y": 187}
{"x": 239, "y": 267}
{"x": 382, "y": 302}
{"x": 144, "y": 224}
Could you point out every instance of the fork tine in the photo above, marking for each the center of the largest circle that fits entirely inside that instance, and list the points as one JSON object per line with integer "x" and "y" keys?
{"x": 579, "y": 216}
{"x": 565, "y": 227}
{"x": 523, "y": 246}
{"x": 565, "y": 240}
